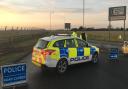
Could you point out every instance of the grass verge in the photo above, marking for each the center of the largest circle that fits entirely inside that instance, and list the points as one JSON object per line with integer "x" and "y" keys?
{"x": 12, "y": 57}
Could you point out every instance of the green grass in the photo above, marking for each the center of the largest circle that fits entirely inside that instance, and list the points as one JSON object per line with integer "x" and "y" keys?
{"x": 104, "y": 36}
{"x": 11, "y": 57}
{"x": 21, "y": 49}
{"x": 17, "y": 44}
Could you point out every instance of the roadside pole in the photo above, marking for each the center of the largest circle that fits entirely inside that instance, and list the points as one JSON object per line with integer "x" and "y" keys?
{"x": 117, "y": 13}
{"x": 5, "y": 28}
{"x": 109, "y": 30}
{"x": 83, "y": 13}
{"x": 124, "y": 30}
{"x": 50, "y": 20}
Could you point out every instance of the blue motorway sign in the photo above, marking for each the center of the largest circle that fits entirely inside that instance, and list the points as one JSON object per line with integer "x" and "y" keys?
{"x": 114, "y": 52}
{"x": 13, "y": 74}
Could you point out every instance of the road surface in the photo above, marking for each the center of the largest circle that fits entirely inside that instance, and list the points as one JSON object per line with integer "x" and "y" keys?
{"x": 105, "y": 75}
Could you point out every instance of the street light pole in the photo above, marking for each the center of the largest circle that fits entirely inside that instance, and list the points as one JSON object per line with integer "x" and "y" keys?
{"x": 83, "y": 13}
{"x": 51, "y": 12}
{"x": 124, "y": 31}
{"x": 50, "y": 20}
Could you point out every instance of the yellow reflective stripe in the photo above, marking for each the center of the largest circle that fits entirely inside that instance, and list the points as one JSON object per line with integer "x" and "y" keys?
{"x": 72, "y": 52}
{"x": 56, "y": 54}
{"x": 86, "y": 51}
{"x": 39, "y": 57}
{"x": 42, "y": 58}
{"x": 37, "y": 64}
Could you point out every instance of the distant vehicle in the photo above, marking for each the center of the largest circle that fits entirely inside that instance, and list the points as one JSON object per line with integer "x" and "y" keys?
{"x": 60, "y": 51}
{"x": 125, "y": 47}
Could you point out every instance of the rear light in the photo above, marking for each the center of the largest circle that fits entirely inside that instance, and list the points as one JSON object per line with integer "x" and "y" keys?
{"x": 48, "y": 52}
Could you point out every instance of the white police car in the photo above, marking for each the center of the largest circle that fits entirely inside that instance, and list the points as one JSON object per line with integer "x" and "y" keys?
{"x": 60, "y": 51}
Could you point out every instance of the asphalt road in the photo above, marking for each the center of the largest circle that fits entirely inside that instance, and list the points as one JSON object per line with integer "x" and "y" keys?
{"x": 105, "y": 75}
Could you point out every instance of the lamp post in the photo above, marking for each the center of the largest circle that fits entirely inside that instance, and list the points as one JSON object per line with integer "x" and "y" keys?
{"x": 50, "y": 20}
{"x": 83, "y": 13}
{"x": 51, "y": 12}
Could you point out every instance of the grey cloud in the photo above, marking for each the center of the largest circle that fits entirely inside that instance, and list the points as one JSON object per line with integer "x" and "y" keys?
{"x": 60, "y": 10}
{"x": 72, "y": 10}
{"x": 37, "y": 6}
{"x": 26, "y": 9}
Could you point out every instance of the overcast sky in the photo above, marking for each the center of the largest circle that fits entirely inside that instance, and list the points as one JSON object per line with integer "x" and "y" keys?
{"x": 36, "y": 13}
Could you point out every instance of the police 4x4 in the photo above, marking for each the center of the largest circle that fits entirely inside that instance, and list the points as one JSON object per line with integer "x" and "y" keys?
{"x": 61, "y": 51}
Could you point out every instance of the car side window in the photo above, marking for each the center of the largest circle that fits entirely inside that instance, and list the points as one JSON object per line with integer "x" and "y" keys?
{"x": 59, "y": 44}
{"x": 82, "y": 43}
{"x": 70, "y": 43}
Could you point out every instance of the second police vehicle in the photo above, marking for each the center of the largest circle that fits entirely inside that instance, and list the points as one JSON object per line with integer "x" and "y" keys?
{"x": 61, "y": 51}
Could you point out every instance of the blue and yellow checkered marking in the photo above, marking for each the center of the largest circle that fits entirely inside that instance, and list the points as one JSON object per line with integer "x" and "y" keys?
{"x": 80, "y": 51}
{"x": 63, "y": 52}
{"x": 92, "y": 50}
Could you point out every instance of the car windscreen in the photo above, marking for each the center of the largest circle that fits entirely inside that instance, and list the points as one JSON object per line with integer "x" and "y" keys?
{"x": 41, "y": 44}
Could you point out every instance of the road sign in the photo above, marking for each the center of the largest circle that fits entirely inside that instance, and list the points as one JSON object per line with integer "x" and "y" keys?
{"x": 114, "y": 52}
{"x": 13, "y": 74}
{"x": 68, "y": 26}
{"x": 117, "y": 13}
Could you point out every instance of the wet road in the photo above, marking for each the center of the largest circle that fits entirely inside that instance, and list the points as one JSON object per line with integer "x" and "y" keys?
{"x": 105, "y": 75}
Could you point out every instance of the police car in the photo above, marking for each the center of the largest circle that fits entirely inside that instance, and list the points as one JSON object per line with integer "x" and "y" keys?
{"x": 61, "y": 51}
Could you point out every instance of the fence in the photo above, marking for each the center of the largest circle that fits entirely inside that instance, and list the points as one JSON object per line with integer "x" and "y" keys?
{"x": 6, "y": 28}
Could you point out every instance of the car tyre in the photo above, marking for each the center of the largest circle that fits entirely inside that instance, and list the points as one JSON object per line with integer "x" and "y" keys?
{"x": 62, "y": 66}
{"x": 95, "y": 58}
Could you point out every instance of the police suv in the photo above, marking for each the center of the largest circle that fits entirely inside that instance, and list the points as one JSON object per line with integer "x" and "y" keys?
{"x": 61, "y": 51}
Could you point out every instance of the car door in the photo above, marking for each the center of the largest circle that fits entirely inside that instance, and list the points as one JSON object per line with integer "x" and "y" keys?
{"x": 83, "y": 51}
{"x": 72, "y": 51}
{"x": 62, "y": 51}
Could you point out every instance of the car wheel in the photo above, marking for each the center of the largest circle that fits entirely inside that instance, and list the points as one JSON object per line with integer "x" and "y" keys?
{"x": 62, "y": 66}
{"x": 95, "y": 58}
